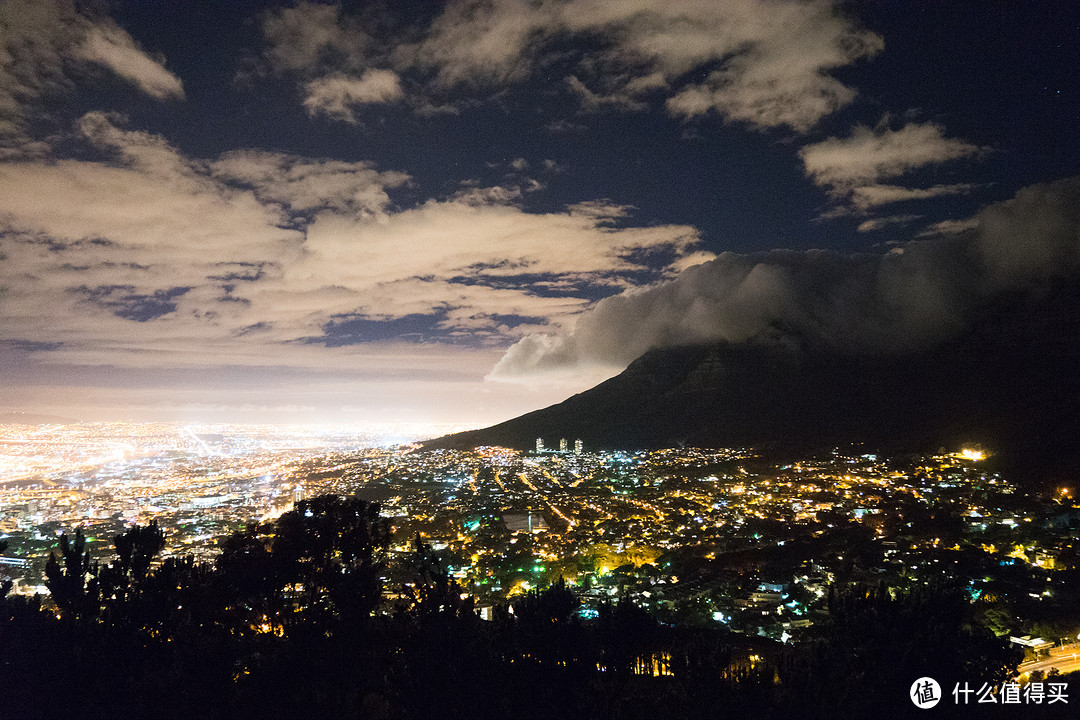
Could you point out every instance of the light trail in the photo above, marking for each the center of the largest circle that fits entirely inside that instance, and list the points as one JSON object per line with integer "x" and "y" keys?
{"x": 199, "y": 440}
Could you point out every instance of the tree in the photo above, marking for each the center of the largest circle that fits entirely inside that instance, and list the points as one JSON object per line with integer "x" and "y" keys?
{"x": 73, "y": 585}
{"x": 5, "y": 586}
{"x": 137, "y": 548}
{"x": 555, "y": 604}
{"x": 122, "y": 579}
{"x": 331, "y": 550}
{"x": 249, "y": 579}
{"x": 878, "y": 639}
{"x": 429, "y": 587}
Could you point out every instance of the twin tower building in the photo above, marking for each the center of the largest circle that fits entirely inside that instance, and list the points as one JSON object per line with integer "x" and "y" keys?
{"x": 563, "y": 446}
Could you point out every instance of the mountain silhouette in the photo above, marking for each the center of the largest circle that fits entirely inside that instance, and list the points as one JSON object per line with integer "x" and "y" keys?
{"x": 1010, "y": 382}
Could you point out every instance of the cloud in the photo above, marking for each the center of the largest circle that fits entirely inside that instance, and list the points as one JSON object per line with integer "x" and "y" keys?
{"x": 772, "y": 57}
{"x": 496, "y": 195}
{"x": 600, "y": 210}
{"x": 389, "y": 392}
{"x": 333, "y": 56}
{"x": 869, "y": 156}
{"x": 337, "y": 95}
{"x": 918, "y": 293}
{"x": 871, "y": 196}
{"x": 48, "y": 45}
{"x": 314, "y": 37}
{"x": 306, "y": 184}
{"x": 950, "y": 227}
{"x": 482, "y": 42}
{"x": 592, "y": 101}
{"x": 880, "y": 222}
{"x": 112, "y": 47}
{"x": 766, "y": 64}
{"x": 853, "y": 168}
{"x": 148, "y": 257}
{"x": 774, "y": 61}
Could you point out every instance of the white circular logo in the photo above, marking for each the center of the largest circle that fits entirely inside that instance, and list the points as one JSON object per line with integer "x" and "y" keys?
{"x": 925, "y": 693}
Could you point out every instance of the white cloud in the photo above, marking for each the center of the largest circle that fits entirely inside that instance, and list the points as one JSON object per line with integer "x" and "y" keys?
{"x": 773, "y": 56}
{"x": 869, "y": 156}
{"x": 337, "y": 95}
{"x": 774, "y": 62}
{"x": 481, "y": 42}
{"x": 156, "y": 259}
{"x": 600, "y": 210}
{"x": 332, "y": 55}
{"x": 46, "y": 45}
{"x": 881, "y": 222}
{"x": 870, "y": 196}
{"x": 314, "y": 37}
{"x": 768, "y": 62}
{"x": 592, "y": 101}
{"x": 112, "y": 47}
{"x": 496, "y": 195}
{"x": 340, "y": 398}
{"x": 951, "y": 227}
{"x": 853, "y": 168}
{"x": 306, "y": 184}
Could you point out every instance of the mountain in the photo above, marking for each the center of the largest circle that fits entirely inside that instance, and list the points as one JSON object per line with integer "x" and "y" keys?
{"x": 1010, "y": 383}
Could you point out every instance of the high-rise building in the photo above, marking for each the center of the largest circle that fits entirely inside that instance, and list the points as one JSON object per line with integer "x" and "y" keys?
{"x": 562, "y": 444}
{"x": 539, "y": 444}
{"x": 578, "y": 446}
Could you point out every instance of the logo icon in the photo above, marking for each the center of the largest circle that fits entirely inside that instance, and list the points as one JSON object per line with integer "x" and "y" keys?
{"x": 925, "y": 693}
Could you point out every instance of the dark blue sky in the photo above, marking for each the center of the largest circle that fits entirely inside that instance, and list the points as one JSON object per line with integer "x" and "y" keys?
{"x": 1000, "y": 75}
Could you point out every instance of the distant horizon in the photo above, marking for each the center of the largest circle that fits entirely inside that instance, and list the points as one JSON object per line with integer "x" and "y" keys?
{"x": 409, "y": 430}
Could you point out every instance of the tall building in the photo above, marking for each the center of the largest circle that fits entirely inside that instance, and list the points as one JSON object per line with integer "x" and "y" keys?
{"x": 562, "y": 444}
{"x": 539, "y": 444}
{"x": 578, "y": 446}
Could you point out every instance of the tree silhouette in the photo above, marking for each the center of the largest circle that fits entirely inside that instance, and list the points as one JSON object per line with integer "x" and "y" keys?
{"x": 879, "y": 639}
{"x": 121, "y": 580}
{"x": 5, "y": 586}
{"x": 331, "y": 550}
{"x": 429, "y": 587}
{"x": 137, "y": 548}
{"x": 73, "y": 585}
{"x": 555, "y": 604}
{"x": 283, "y": 625}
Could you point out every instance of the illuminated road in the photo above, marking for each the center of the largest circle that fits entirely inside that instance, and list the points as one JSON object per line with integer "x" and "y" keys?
{"x": 1066, "y": 659}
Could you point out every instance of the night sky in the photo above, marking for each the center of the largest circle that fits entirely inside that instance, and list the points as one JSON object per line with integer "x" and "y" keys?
{"x": 458, "y": 212}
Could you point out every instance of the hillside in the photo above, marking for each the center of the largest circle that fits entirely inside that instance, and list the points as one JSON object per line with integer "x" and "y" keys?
{"x": 1010, "y": 383}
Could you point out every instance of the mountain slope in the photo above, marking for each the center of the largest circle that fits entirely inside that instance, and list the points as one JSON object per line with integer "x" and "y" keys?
{"x": 1011, "y": 383}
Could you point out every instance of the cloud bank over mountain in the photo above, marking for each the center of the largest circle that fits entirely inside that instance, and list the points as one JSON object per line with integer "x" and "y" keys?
{"x": 916, "y": 294}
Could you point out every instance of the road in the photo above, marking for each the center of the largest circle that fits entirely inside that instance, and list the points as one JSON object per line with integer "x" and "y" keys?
{"x": 1066, "y": 659}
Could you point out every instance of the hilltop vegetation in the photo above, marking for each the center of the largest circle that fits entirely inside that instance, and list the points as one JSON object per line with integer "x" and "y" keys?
{"x": 310, "y": 616}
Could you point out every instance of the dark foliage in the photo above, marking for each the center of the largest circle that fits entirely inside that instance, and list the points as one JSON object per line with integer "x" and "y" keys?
{"x": 291, "y": 622}
{"x": 73, "y": 584}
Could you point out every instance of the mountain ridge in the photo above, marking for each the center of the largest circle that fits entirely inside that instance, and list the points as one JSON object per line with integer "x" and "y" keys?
{"x": 1009, "y": 382}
